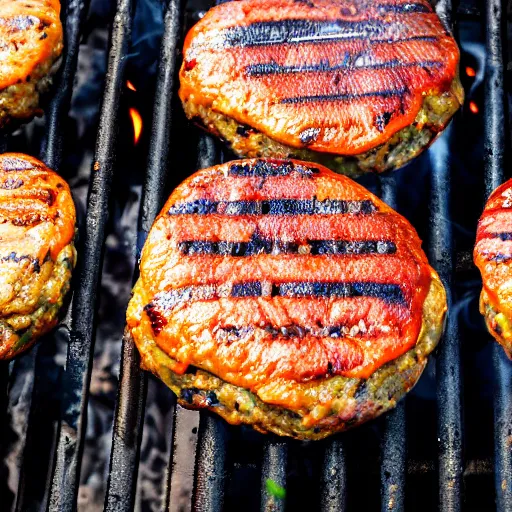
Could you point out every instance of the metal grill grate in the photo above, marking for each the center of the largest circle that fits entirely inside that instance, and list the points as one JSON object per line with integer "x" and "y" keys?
{"x": 212, "y": 449}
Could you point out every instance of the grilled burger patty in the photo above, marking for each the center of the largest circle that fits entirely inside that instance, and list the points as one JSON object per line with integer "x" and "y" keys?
{"x": 30, "y": 47}
{"x": 493, "y": 257}
{"x": 37, "y": 255}
{"x": 356, "y": 86}
{"x": 284, "y": 296}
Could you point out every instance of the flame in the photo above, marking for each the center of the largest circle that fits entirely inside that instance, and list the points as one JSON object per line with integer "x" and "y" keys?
{"x": 131, "y": 86}
{"x": 471, "y": 72}
{"x": 137, "y": 124}
{"x": 473, "y": 107}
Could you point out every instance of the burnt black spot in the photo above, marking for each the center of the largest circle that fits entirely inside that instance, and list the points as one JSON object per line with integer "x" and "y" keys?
{"x": 382, "y": 120}
{"x": 211, "y": 399}
{"x": 316, "y": 430}
{"x": 244, "y": 130}
{"x": 309, "y": 135}
{"x": 360, "y": 390}
{"x": 158, "y": 321}
{"x": 187, "y": 394}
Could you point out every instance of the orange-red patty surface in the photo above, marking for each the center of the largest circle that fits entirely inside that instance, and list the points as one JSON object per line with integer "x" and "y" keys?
{"x": 262, "y": 271}
{"x": 336, "y": 76}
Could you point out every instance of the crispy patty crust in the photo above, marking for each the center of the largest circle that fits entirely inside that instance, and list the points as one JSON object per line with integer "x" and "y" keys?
{"x": 361, "y": 88}
{"x": 31, "y": 42}
{"x": 37, "y": 255}
{"x": 346, "y": 402}
{"x": 285, "y": 296}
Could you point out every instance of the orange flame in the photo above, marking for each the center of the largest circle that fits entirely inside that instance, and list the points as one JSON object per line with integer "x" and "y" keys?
{"x": 473, "y": 107}
{"x": 137, "y": 124}
{"x": 471, "y": 72}
{"x": 131, "y": 86}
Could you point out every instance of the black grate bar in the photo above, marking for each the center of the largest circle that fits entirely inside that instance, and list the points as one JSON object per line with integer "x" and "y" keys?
{"x": 74, "y": 12}
{"x": 210, "y": 465}
{"x": 180, "y": 485}
{"x": 448, "y": 363}
{"x": 334, "y": 478}
{"x": 494, "y": 161}
{"x": 394, "y": 460}
{"x": 127, "y": 431}
{"x": 121, "y": 486}
{"x": 154, "y": 187}
{"x": 210, "y": 468}
{"x": 78, "y": 366}
{"x": 273, "y": 475}
{"x": 494, "y": 106}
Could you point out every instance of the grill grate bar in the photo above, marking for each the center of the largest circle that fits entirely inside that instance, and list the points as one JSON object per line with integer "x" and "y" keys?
{"x": 210, "y": 464}
{"x": 76, "y": 379}
{"x": 133, "y": 381}
{"x": 393, "y": 468}
{"x": 334, "y": 478}
{"x": 127, "y": 432}
{"x": 394, "y": 459}
{"x": 74, "y": 12}
{"x": 448, "y": 364}
{"x": 275, "y": 455}
{"x": 494, "y": 160}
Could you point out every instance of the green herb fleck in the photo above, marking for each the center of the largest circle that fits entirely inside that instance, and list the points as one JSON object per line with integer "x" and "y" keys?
{"x": 275, "y": 489}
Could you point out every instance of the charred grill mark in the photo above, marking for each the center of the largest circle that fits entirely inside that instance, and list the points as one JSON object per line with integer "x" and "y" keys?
{"x": 502, "y": 236}
{"x": 11, "y": 184}
{"x": 168, "y": 300}
{"x": 294, "y": 31}
{"x": 345, "y": 97}
{"x": 390, "y": 293}
{"x": 29, "y": 219}
{"x": 15, "y": 164}
{"x": 274, "y": 207}
{"x": 229, "y": 334}
{"x": 273, "y": 68}
{"x": 249, "y": 289}
{"x": 270, "y": 169}
{"x": 13, "y": 257}
{"x": 299, "y": 31}
{"x": 498, "y": 258}
{"x": 18, "y": 23}
{"x": 259, "y": 245}
{"x": 406, "y": 8}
